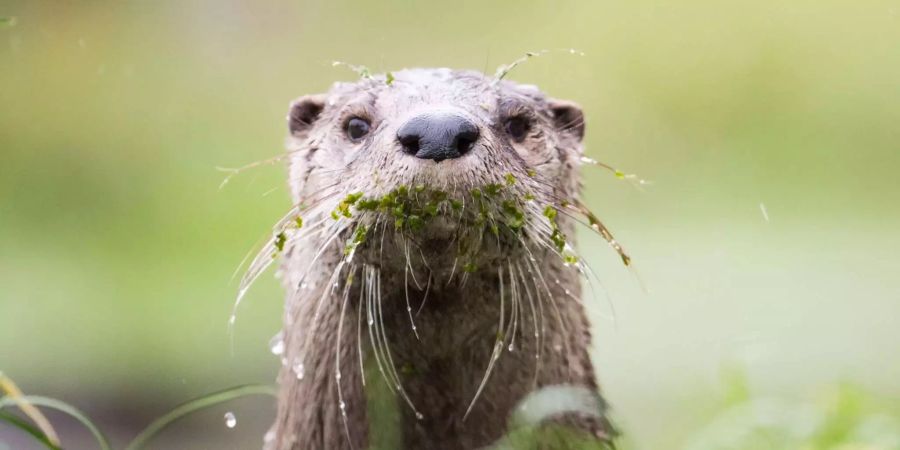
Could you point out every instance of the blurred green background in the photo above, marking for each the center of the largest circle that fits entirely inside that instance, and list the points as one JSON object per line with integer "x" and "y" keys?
{"x": 117, "y": 247}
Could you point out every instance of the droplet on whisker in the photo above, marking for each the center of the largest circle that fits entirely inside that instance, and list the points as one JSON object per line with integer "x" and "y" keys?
{"x": 299, "y": 370}
{"x": 276, "y": 344}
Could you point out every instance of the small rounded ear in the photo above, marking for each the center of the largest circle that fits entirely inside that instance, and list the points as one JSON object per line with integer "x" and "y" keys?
{"x": 568, "y": 117}
{"x": 304, "y": 112}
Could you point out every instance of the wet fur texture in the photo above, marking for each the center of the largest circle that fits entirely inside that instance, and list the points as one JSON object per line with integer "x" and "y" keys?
{"x": 430, "y": 307}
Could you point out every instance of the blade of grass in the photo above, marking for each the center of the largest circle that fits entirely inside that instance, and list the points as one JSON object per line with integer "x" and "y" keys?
{"x": 15, "y": 394}
{"x": 18, "y": 422}
{"x": 195, "y": 405}
{"x": 63, "y": 407}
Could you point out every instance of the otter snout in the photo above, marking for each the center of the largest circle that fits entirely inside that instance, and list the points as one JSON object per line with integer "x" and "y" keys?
{"x": 438, "y": 136}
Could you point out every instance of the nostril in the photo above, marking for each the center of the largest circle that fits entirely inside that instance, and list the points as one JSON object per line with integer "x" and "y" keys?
{"x": 410, "y": 144}
{"x": 465, "y": 140}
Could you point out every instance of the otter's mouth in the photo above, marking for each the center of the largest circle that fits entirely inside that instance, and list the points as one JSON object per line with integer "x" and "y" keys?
{"x": 444, "y": 232}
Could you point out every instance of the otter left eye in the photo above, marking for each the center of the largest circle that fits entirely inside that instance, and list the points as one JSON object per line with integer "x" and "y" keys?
{"x": 517, "y": 128}
{"x": 357, "y": 128}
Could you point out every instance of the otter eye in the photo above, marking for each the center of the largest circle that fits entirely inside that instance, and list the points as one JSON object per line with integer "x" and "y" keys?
{"x": 357, "y": 128}
{"x": 517, "y": 128}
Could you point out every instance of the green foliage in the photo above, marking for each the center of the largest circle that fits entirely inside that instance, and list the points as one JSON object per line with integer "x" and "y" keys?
{"x": 35, "y": 432}
{"x": 192, "y": 406}
{"x": 102, "y": 441}
{"x": 843, "y": 418}
{"x": 144, "y": 436}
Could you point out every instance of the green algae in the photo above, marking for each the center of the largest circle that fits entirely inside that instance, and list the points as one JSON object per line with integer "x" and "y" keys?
{"x": 280, "y": 239}
{"x": 495, "y": 208}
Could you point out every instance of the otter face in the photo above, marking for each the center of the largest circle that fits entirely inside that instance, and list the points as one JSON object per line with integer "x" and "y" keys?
{"x": 466, "y": 167}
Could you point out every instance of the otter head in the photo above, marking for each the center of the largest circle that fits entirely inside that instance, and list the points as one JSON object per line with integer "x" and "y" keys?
{"x": 455, "y": 169}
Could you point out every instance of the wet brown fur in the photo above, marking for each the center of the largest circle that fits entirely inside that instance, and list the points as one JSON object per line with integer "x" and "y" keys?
{"x": 457, "y": 326}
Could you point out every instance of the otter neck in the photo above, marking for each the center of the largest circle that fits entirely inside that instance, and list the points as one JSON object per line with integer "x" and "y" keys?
{"x": 440, "y": 365}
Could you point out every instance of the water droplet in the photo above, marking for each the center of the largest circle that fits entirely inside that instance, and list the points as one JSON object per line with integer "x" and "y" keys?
{"x": 276, "y": 344}
{"x": 304, "y": 285}
{"x": 337, "y": 376}
{"x": 512, "y": 347}
{"x": 230, "y": 420}
{"x": 408, "y": 309}
{"x": 232, "y": 319}
{"x": 419, "y": 416}
{"x": 371, "y": 322}
{"x": 299, "y": 370}
{"x": 342, "y": 405}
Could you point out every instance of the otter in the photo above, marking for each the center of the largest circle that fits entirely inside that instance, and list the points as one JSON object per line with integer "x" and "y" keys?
{"x": 430, "y": 243}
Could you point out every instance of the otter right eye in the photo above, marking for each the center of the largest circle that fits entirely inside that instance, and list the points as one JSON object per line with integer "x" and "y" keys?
{"x": 357, "y": 129}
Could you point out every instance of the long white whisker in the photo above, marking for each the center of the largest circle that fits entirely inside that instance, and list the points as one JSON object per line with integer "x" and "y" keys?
{"x": 495, "y": 353}
{"x": 425, "y": 297}
{"x": 534, "y": 322}
{"x": 409, "y": 263}
{"x": 514, "y": 296}
{"x": 337, "y": 355}
{"x": 408, "y": 307}
{"x": 374, "y": 337}
{"x": 359, "y": 310}
{"x": 391, "y": 367}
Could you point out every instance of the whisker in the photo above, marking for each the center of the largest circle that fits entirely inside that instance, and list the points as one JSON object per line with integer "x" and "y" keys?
{"x": 498, "y": 348}
{"x": 425, "y": 297}
{"x": 391, "y": 367}
{"x": 609, "y": 300}
{"x": 535, "y": 270}
{"x": 337, "y": 354}
{"x": 408, "y": 307}
{"x": 538, "y": 334}
{"x": 359, "y": 310}
{"x": 409, "y": 263}
{"x": 374, "y": 337}
{"x": 232, "y": 172}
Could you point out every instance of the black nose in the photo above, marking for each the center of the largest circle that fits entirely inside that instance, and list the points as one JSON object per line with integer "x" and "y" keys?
{"x": 437, "y": 136}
